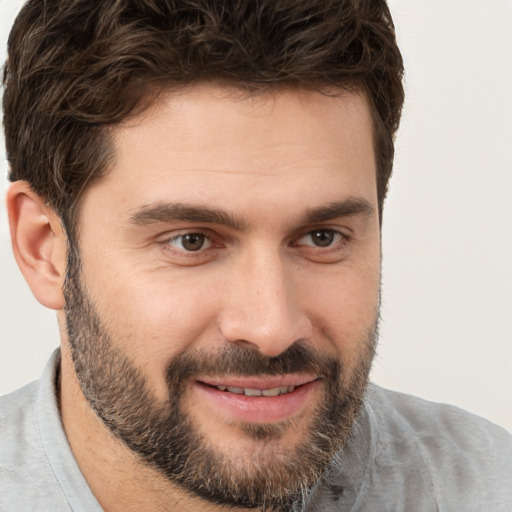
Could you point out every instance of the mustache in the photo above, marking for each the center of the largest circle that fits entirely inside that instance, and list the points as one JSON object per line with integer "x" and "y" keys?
{"x": 239, "y": 361}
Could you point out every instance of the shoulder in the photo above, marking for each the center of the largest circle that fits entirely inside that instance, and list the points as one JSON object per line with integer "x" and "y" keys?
{"x": 17, "y": 416}
{"x": 26, "y": 475}
{"x": 464, "y": 456}
{"x": 432, "y": 421}
{"x": 16, "y": 400}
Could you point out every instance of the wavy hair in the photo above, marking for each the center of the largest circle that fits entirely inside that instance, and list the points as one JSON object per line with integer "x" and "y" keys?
{"x": 76, "y": 68}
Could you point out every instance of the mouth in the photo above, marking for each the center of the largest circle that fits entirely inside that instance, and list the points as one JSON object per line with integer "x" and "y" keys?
{"x": 259, "y": 386}
{"x": 282, "y": 390}
{"x": 258, "y": 400}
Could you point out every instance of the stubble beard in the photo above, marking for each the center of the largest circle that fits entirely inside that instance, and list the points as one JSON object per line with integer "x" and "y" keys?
{"x": 164, "y": 437}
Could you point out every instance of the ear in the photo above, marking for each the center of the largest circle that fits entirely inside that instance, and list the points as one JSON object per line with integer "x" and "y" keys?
{"x": 39, "y": 244}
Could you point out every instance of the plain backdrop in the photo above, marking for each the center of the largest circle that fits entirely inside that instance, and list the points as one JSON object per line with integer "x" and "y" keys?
{"x": 446, "y": 332}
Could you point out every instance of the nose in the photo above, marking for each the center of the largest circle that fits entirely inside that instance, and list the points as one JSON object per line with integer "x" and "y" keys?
{"x": 262, "y": 308}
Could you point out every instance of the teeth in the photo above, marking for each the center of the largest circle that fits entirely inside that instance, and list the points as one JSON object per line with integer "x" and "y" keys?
{"x": 238, "y": 391}
{"x": 252, "y": 392}
{"x": 257, "y": 392}
{"x": 271, "y": 392}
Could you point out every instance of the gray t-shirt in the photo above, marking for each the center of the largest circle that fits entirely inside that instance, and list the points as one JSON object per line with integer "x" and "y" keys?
{"x": 405, "y": 454}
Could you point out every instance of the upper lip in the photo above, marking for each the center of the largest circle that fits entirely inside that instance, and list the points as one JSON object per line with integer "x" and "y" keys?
{"x": 269, "y": 382}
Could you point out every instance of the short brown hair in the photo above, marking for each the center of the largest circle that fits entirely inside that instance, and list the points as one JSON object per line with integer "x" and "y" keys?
{"x": 76, "y": 67}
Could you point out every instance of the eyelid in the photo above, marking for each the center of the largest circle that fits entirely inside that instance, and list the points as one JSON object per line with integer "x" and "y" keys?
{"x": 310, "y": 230}
{"x": 338, "y": 251}
{"x": 165, "y": 242}
{"x": 195, "y": 232}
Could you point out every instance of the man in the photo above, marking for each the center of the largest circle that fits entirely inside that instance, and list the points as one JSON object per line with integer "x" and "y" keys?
{"x": 198, "y": 191}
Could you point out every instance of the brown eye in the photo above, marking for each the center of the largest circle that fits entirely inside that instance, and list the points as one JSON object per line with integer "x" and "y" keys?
{"x": 322, "y": 237}
{"x": 323, "y": 245}
{"x": 193, "y": 241}
{"x": 190, "y": 242}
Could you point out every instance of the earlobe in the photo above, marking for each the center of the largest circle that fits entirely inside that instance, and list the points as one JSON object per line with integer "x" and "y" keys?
{"x": 39, "y": 244}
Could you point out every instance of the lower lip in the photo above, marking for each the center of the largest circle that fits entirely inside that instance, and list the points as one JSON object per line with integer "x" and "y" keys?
{"x": 258, "y": 409}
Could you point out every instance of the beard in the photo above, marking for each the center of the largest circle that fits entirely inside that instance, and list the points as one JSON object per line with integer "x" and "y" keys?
{"x": 164, "y": 437}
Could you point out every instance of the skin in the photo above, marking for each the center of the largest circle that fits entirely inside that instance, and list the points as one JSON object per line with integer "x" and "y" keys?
{"x": 267, "y": 161}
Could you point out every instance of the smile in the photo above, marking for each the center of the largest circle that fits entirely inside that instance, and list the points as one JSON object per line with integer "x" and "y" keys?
{"x": 258, "y": 399}
{"x": 257, "y": 392}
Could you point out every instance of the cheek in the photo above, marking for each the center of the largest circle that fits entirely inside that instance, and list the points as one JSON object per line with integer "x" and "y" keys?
{"x": 345, "y": 308}
{"x": 153, "y": 316}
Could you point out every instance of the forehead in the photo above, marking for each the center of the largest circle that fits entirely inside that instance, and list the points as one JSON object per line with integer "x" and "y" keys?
{"x": 209, "y": 142}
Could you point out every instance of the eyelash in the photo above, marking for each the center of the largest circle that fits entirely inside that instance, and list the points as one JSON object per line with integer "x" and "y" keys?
{"x": 343, "y": 238}
{"x": 207, "y": 237}
{"x": 335, "y": 246}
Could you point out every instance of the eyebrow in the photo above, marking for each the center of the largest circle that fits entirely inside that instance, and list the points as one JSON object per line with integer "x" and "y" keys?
{"x": 346, "y": 208}
{"x": 173, "y": 212}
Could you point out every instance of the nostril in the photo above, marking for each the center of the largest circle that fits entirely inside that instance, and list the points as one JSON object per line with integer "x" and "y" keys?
{"x": 246, "y": 344}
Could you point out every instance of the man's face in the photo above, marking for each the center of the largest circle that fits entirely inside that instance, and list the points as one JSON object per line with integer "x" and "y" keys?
{"x": 222, "y": 318}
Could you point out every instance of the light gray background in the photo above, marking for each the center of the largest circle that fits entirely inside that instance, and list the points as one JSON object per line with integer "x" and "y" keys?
{"x": 446, "y": 333}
